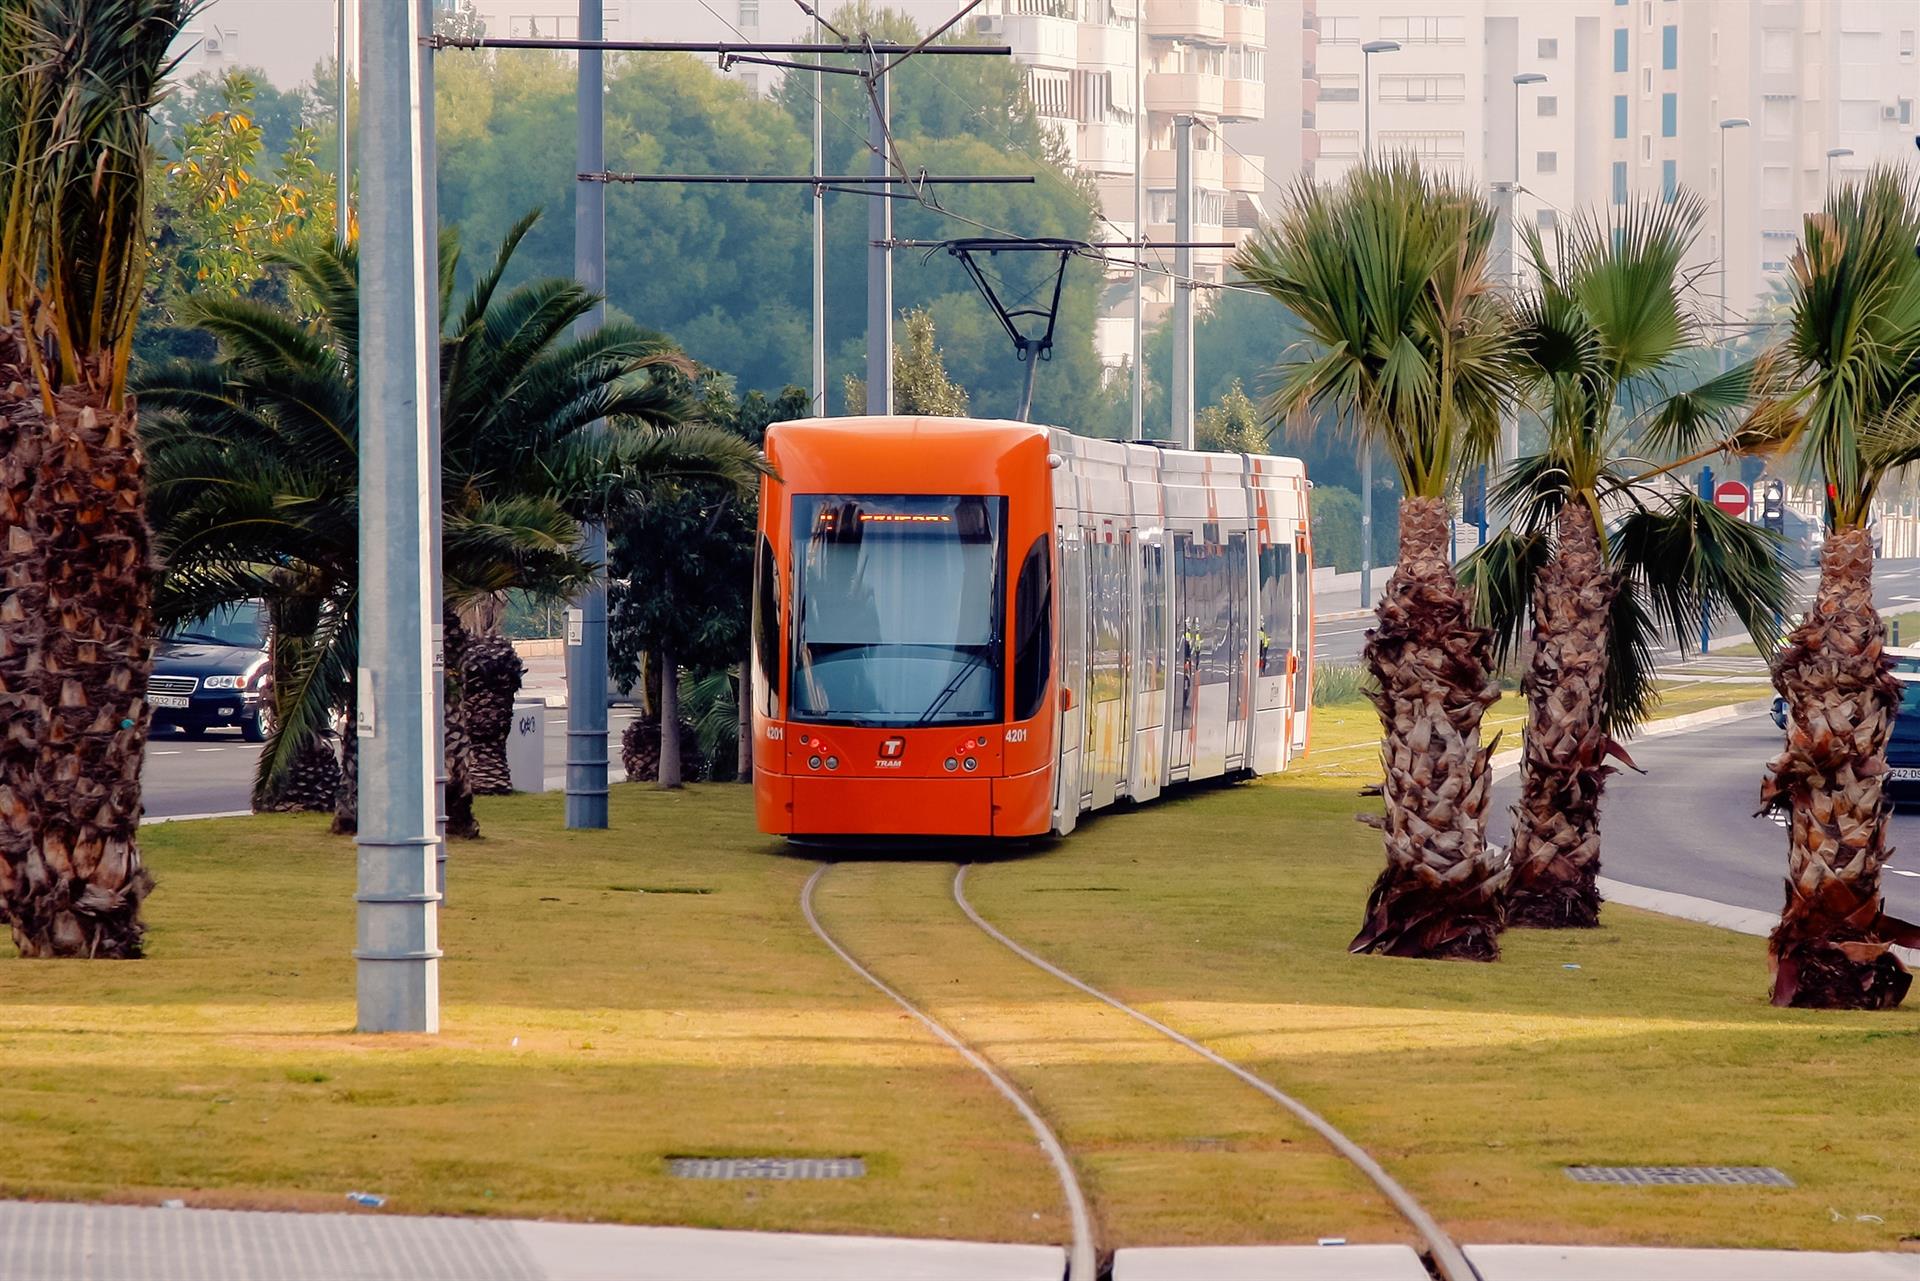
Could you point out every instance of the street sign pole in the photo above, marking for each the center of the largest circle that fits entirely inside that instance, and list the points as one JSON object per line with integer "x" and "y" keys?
{"x": 1706, "y": 620}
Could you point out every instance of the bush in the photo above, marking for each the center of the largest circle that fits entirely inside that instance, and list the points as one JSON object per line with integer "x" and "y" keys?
{"x": 1337, "y": 683}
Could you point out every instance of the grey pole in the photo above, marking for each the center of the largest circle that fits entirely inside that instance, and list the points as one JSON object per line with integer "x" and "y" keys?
{"x": 587, "y": 621}
{"x": 819, "y": 251}
{"x": 1506, "y": 197}
{"x": 879, "y": 258}
{"x": 397, "y": 940}
{"x": 343, "y": 12}
{"x": 1367, "y": 51}
{"x": 1182, "y": 388}
{"x": 1139, "y": 212}
{"x": 430, "y": 223}
{"x": 1731, "y": 122}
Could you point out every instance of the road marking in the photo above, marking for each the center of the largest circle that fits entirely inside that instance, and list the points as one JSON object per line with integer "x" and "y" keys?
{"x": 209, "y": 749}
{"x": 170, "y": 751}
{"x": 1901, "y": 871}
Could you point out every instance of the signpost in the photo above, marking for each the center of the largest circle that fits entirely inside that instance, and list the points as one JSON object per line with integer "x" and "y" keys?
{"x": 1731, "y": 497}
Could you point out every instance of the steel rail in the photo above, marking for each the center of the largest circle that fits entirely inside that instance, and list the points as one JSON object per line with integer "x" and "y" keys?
{"x": 1445, "y": 1256}
{"x": 1081, "y": 1265}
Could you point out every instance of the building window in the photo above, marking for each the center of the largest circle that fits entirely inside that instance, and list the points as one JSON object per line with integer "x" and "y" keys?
{"x": 1339, "y": 30}
{"x": 1906, "y": 111}
{"x": 1546, "y": 105}
{"x": 1548, "y": 50}
{"x": 1669, "y": 47}
{"x": 1619, "y": 48}
{"x": 1776, "y": 117}
{"x": 749, "y": 13}
{"x": 1427, "y": 144}
{"x": 1669, "y": 180}
{"x": 1546, "y": 162}
{"x": 1906, "y": 46}
{"x": 1646, "y": 82}
{"x": 1339, "y": 144}
{"x": 1776, "y": 185}
{"x": 1619, "y": 115}
{"x": 1776, "y": 49}
{"x": 1246, "y": 62}
{"x": 1619, "y": 182}
{"x": 1646, "y": 148}
{"x": 1339, "y": 88}
{"x": 1425, "y": 30}
{"x": 1423, "y": 88}
{"x": 1546, "y": 220}
{"x": 1669, "y": 115}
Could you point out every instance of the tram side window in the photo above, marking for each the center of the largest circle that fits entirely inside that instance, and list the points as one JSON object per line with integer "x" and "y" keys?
{"x": 1109, "y": 619}
{"x": 766, "y": 629}
{"x": 1218, "y": 617}
{"x": 1033, "y": 630}
{"x": 1194, "y": 631}
{"x": 1276, "y": 608}
{"x": 1153, "y": 617}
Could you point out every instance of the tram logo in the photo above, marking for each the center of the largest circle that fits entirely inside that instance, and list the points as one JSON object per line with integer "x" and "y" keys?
{"x": 893, "y": 749}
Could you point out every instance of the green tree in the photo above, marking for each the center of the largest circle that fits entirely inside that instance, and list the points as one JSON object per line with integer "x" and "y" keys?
{"x": 78, "y": 83}
{"x": 1841, "y": 387}
{"x": 1233, "y": 424}
{"x": 255, "y": 459}
{"x": 681, "y": 568}
{"x": 920, "y": 382}
{"x": 1605, "y": 349}
{"x": 1387, "y": 272}
{"x": 1335, "y": 514}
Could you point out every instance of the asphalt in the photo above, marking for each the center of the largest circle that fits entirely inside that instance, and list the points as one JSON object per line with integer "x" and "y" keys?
{"x": 1688, "y": 825}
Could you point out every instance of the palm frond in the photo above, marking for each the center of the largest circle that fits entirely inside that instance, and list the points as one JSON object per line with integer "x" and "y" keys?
{"x": 1692, "y": 560}
{"x": 1500, "y": 574}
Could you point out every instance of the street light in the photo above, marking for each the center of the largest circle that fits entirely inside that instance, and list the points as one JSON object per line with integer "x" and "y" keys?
{"x": 1508, "y": 210}
{"x": 1524, "y": 78}
{"x": 1731, "y": 122}
{"x": 1832, "y": 152}
{"x": 1367, "y": 51}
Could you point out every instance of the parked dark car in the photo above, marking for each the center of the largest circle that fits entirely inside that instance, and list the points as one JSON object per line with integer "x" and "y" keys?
{"x": 213, "y": 674}
{"x": 1903, "y": 746}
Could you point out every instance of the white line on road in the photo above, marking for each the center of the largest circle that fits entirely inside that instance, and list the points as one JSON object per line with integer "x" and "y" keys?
{"x": 209, "y": 749}
{"x": 170, "y": 751}
{"x": 1901, "y": 871}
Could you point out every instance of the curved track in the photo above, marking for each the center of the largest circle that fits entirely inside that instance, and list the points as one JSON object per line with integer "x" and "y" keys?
{"x": 1081, "y": 1253}
{"x": 1441, "y": 1250}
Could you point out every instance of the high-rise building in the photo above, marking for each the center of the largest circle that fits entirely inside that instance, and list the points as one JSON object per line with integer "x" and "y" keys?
{"x": 1803, "y": 88}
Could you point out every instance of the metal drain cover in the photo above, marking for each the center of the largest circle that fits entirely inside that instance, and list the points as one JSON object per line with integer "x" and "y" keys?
{"x": 766, "y": 1167}
{"x": 1680, "y": 1175}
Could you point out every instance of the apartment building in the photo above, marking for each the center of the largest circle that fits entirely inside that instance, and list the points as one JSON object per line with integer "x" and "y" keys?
{"x": 1824, "y": 87}
{"x": 1448, "y": 95}
{"x": 285, "y": 39}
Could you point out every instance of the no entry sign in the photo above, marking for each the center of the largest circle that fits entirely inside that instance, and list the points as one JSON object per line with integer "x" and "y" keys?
{"x": 1731, "y": 497}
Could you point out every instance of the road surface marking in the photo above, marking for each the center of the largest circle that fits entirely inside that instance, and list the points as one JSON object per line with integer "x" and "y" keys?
{"x": 1901, "y": 871}
{"x": 209, "y": 749}
{"x": 169, "y": 751}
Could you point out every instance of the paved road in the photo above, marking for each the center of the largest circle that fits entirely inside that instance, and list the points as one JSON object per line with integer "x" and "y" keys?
{"x": 1688, "y": 824}
{"x": 1896, "y": 586}
{"x": 214, "y": 775}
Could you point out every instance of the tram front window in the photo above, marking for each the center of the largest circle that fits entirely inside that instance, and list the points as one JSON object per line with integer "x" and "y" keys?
{"x": 898, "y": 609}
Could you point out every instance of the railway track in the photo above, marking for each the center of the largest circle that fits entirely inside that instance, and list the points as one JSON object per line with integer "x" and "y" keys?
{"x": 1438, "y": 1250}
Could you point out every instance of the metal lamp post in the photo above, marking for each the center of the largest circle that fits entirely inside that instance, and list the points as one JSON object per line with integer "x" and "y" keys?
{"x": 1367, "y": 51}
{"x": 1833, "y": 152}
{"x": 1731, "y": 122}
{"x": 1506, "y": 209}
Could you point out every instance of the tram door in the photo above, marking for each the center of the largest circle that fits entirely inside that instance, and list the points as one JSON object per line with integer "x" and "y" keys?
{"x": 1238, "y": 585}
{"x": 1102, "y": 760}
{"x": 1073, "y": 677}
{"x": 1188, "y": 642}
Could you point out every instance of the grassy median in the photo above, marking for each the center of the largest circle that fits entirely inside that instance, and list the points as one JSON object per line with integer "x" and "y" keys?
{"x": 615, "y": 999}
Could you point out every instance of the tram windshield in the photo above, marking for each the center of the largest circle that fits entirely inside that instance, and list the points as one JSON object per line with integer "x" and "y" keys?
{"x": 898, "y": 609}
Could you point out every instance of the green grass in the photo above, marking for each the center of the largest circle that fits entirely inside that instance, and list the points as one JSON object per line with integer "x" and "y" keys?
{"x": 613, "y": 999}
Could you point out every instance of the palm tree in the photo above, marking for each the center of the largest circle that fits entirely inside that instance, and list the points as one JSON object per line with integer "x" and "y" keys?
{"x": 1847, "y": 379}
{"x": 1606, "y": 351}
{"x": 256, "y": 461}
{"x": 1387, "y": 272}
{"x": 81, "y": 78}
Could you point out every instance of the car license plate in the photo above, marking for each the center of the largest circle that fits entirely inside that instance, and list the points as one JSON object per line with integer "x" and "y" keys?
{"x": 1904, "y": 774}
{"x": 178, "y": 701}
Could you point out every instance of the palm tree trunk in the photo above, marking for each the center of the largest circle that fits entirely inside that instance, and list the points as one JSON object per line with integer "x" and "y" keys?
{"x": 346, "y": 806}
{"x": 490, "y": 680}
{"x": 1831, "y": 949}
{"x": 1556, "y": 821}
{"x": 26, "y": 887}
{"x": 460, "y": 819}
{"x": 1439, "y": 895}
{"x": 670, "y": 765}
{"x": 98, "y": 653}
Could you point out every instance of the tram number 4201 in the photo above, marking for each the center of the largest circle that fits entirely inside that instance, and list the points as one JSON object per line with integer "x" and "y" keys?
{"x": 776, "y": 733}
{"x": 1016, "y": 736}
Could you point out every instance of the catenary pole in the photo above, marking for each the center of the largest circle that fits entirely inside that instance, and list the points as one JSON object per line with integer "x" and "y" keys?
{"x": 819, "y": 248}
{"x": 879, "y": 255}
{"x": 397, "y": 951}
{"x": 430, "y": 221}
{"x": 1367, "y": 51}
{"x": 1182, "y": 389}
{"x": 586, "y": 643}
{"x": 1139, "y": 211}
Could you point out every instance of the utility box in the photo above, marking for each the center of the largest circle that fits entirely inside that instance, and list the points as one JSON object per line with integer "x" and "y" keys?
{"x": 527, "y": 747}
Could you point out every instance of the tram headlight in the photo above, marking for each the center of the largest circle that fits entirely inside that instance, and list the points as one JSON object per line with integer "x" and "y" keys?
{"x": 813, "y": 762}
{"x": 952, "y": 765}
{"x": 833, "y": 762}
{"x": 972, "y": 764}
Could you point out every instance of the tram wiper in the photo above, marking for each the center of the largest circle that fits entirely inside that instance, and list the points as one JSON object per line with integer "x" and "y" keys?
{"x": 974, "y": 661}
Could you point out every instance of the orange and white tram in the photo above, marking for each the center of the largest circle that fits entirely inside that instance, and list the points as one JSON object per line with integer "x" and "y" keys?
{"x": 984, "y": 629}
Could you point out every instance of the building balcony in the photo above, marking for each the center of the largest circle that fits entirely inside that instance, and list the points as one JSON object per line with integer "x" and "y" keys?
{"x": 1243, "y": 173}
{"x": 1038, "y": 38}
{"x": 1104, "y": 148}
{"x": 1243, "y": 100}
{"x": 1189, "y": 92}
{"x": 1202, "y": 20}
{"x": 1244, "y": 24}
{"x": 1208, "y": 171}
{"x": 1104, "y": 46}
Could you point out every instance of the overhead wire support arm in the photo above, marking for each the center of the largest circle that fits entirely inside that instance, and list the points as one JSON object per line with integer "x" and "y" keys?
{"x": 809, "y": 180}
{"x": 716, "y": 47}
